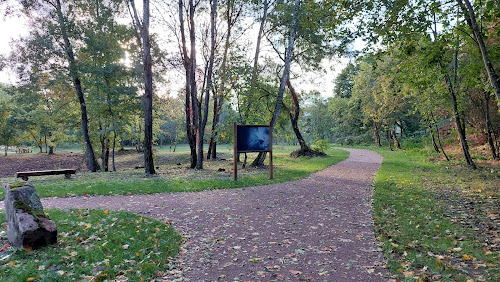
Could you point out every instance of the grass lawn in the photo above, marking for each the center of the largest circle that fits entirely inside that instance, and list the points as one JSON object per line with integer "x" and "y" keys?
{"x": 94, "y": 245}
{"x": 437, "y": 221}
{"x": 175, "y": 176}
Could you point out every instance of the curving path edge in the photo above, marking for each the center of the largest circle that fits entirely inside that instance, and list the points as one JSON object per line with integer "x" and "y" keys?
{"x": 319, "y": 228}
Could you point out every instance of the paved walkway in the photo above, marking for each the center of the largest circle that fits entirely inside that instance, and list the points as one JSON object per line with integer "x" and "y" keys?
{"x": 319, "y": 228}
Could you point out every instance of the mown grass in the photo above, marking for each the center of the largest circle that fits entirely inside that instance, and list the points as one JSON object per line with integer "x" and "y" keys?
{"x": 416, "y": 203}
{"x": 174, "y": 178}
{"x": 94, "y": 245}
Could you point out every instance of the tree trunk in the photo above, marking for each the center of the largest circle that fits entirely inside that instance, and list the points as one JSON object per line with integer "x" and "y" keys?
{"x": 489, "y": 128}
{"x": 471, "y": 21}
{"x": 201, "y": 128}
{"x": 113, "y": 151}
{"x": 6, "y": 148}
{"x": 259, "y": 161}
{"x": 388, "y": 135}
{"x": 253, "y": 81}
{"x": 92, "y": 164}
{"x": 451, "y": 91}
{"x": 376, "y": 135}
{"x": 460, "y": 128}
{"x": 294, "y": 118}
{"x": 106, "y": 155}
{"x": 434, "y": 144}
{"x": 218, "y": 99}
{"x": 439, "y": 139}
{"x": 189, "y": 104}
{"x": 397, "y": 145}
{"x": 147, "y": 61}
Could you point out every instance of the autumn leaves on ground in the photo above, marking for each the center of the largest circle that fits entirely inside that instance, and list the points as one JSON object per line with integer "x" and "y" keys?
{"x": 438, "y": 220}
{"x": 435, "y": 220}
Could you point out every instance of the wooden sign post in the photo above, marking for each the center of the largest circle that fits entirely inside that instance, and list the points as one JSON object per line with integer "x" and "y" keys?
{"x": 252, "y": 138}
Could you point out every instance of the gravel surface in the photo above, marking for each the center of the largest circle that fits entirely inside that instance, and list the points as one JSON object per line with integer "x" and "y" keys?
{"x": 316, "y": 229}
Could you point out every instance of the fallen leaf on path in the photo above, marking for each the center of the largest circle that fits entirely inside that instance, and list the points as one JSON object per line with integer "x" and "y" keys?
{"x": 295, "y": 272}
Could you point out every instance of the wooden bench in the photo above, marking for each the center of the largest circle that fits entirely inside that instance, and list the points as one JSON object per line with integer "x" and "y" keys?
{"x": 25, "y": 174}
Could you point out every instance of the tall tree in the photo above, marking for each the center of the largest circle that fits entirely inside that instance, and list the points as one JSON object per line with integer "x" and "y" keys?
{"x": 259, "y": 161}
{"x": 189, "y": 62}
{"x": 147, "y": 61}
{"x": 50, "y": 13}
{"x": 204, "y": 116}
{"x": 232, "y": 14}
{"x": 476, "y": 31}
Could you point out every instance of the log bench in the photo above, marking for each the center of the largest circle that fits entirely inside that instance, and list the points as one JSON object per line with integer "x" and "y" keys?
{"x": 25, "y": 174}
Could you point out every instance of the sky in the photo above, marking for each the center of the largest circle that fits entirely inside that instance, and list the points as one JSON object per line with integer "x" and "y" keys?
{"x": 13, "y": 27}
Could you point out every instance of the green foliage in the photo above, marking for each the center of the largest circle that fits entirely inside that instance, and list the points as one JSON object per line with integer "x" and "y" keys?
{"x": 320, "y": 145}
{"x": 96, "y": 244}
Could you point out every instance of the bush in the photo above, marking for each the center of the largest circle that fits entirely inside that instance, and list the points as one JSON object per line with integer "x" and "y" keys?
{"x": 320, "y": 145}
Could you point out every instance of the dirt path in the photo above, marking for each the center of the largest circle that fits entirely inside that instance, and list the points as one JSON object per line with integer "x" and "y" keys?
{"x": 319, "y": 228}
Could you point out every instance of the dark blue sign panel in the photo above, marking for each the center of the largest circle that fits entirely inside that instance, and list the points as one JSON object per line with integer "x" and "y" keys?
{"x": 253, "y": 138}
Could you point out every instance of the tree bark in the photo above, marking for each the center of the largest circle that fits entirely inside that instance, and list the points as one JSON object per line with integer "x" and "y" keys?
{"x": 388, "y": 135}
{"x": 294, "y": 118}
{"x": 219, "y": 98}
{"x": 190, "y": 76}
{"x": 253, "y": 80}
{"x": 149, "y": 167}
{"x": 201, "y": 128}
{"x": 259, "y": 161}
{"x": 397, "y": 145}
{"x": 458, "y": 123}
{"x": 489, "y": 128}
{"x": 113, "y": 151}
{"x": 471, "y": 21}
{"x": 92, "y": 164}
{"x": 376, "y": 135}
{"x": 456, "y": 114}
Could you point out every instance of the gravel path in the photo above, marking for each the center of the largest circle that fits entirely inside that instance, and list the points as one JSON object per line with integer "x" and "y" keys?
{"x": 319, "y": 228}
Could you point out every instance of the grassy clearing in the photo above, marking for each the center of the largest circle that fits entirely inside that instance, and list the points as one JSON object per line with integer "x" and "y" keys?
{"x": 179, "y": 178}
{"x": 437, "y": 221}
{"x": 94, "y": 245}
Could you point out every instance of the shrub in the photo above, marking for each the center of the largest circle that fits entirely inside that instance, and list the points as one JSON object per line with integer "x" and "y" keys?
{"x": 321, "y": 145}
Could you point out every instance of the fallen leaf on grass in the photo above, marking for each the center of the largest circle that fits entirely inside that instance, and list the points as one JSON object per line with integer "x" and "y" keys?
{"x": 295, "y": 272}
{"x": 125, "y": 247}
{"x": 5, "y": 247}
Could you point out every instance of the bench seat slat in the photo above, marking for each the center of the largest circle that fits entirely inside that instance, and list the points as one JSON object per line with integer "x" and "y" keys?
{"x": 45, "y": 172}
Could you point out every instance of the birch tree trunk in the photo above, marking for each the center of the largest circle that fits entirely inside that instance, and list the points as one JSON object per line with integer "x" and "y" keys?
{"x": 259, "y": 161}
